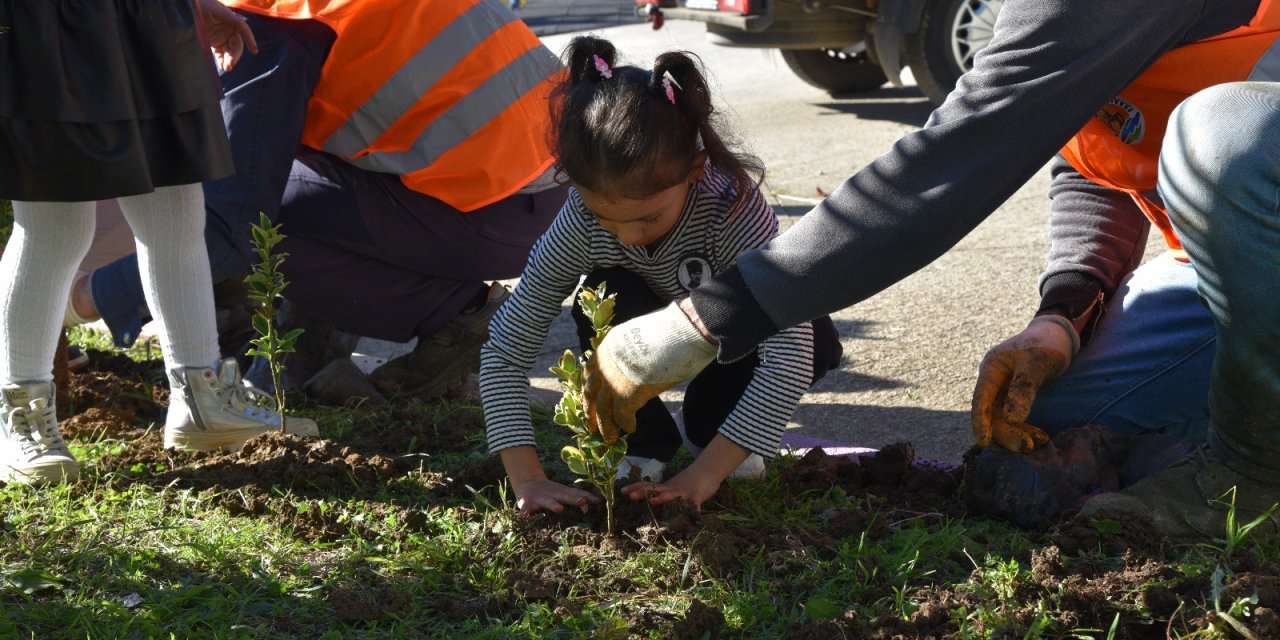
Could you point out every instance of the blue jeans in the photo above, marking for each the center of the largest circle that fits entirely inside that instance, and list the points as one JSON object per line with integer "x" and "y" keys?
{"x": 1194, "y": 350}
{"x": 264, "y": 107}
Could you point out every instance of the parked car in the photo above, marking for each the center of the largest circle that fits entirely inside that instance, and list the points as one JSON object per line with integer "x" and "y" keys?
{"x": 847, "y": 46}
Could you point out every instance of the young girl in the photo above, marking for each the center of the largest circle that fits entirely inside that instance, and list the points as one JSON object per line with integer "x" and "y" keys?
{"x": 113, "y": 99}
{"x": 659, "y": 204}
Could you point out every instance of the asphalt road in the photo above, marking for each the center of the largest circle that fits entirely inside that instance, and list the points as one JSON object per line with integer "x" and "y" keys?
{"x": 550, "y": 17}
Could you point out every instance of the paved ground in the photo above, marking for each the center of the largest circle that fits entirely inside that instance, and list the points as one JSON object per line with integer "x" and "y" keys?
{"x": 911, "y": 352}
{"x": 549, "y": 17}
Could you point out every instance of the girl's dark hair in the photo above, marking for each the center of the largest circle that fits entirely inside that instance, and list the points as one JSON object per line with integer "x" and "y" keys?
{"x": 623, "y": 137}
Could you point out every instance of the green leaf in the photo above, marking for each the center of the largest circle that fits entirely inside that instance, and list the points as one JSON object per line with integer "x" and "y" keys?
{"x": 292, "y": 335}
{"x": 568, "y": 361}
{"x": 574, "y": 459}
{"x": 259, "y": 237}
{"x": 30, "y": 581}
{"x": 561, "y": 418}
{"x": 261, "y": 325}
{"x": 618, "y": 452}
{"x": 604, "y": 316}
{"x": 822, "y": 609}
{"x": 1107, "y": 526}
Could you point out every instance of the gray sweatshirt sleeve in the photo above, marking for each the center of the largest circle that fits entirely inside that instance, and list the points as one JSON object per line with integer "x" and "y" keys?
{"x": 1096, "y": 237}
{"x": 1050, "y": 66}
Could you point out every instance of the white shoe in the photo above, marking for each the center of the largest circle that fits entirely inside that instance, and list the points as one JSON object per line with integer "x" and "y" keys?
{"x": 752, "y": 468}
{"x": 213, "y": 410}
{"x": 32, "y": 450}
{"x": 650, "y": 469}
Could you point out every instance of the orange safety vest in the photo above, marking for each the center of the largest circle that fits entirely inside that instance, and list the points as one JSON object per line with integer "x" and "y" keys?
{"x": 450, "y": 95}
{"x": 1120, "y": 147}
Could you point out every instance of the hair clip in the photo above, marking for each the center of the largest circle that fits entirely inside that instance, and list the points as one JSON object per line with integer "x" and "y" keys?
{"x": 602, "y": 66}
{"x": 667, "y": 82}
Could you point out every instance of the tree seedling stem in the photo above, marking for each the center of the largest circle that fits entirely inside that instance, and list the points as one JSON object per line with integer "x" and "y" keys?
{"x": 266, "y": 283}
{"x": 595, "y": 461}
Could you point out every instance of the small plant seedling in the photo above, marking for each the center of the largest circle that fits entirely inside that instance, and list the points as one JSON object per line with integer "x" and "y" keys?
{"x": 1236, "y": 531}
{"x": 266, "y": 283}
{"x": 595, "y": 460}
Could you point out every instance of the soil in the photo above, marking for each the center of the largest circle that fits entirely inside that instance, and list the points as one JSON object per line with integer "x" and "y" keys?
{"x": 385, "y": 446}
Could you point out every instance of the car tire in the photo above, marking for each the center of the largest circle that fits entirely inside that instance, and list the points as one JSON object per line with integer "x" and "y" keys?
{"x": 834, "y": 70}
{"x": 950, "y": 33}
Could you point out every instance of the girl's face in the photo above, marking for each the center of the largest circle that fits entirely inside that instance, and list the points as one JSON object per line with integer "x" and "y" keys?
{"x": 644, "y": 222}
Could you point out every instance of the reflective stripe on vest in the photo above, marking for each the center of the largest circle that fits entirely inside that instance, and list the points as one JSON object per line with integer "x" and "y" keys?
{"x": 450, "y": 95}
{"x": 401, "y": 91}
{"x": 459, "y": 122}
{"x": 1120, "y": 147}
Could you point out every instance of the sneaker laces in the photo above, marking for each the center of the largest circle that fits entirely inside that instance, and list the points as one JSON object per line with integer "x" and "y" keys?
{"x": 245, "y": 400}
{"x": 37, "y": 428}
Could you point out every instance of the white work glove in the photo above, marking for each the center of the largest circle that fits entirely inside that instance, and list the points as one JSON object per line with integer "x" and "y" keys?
{"x": 638, "y": 360}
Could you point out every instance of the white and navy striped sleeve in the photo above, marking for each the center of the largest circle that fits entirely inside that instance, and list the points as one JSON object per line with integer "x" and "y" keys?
{"x": 519, "y": 329}
{"x": 785, "y": 370}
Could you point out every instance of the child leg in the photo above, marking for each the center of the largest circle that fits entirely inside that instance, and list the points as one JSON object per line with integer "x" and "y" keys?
{"x": 656, "y": 435}
{"x": 169, "y": 227}
{"x": 49, "y": 240}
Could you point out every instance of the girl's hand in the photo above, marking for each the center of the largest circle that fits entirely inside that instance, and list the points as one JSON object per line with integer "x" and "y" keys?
{"x": 228, "y": 33}
{"x": 543, "y": 494}
{"x": 693, "y": 484}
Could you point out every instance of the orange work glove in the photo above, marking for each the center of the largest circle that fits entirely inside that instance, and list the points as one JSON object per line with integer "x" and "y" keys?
{"x": 1011, "y": 375}
{"x": 635, "y": 362}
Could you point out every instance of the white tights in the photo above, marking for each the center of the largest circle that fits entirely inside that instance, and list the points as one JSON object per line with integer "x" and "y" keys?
{"x": 51, "y": 238}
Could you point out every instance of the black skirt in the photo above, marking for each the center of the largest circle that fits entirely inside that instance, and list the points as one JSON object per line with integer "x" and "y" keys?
{"x": 106, "y": 98}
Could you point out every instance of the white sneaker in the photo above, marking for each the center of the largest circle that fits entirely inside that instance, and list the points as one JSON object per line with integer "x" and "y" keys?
{"x": 650, "y": 469}
{"x": 213, "y": 409}
{"x": 752, "y": 468}
{"x": 32, "y": 450}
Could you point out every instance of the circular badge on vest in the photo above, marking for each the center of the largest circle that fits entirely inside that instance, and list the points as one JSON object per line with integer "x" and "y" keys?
{"x": 1123, "y": 119}
{"x": 693, "y": 271}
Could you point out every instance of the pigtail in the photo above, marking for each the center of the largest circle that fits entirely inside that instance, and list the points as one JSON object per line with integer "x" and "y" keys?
{"x": 694, "y": 97}
{"x": 590, "y": 59}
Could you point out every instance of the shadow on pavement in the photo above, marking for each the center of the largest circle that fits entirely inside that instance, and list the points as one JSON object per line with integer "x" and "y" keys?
{"x": 889, "y": 104}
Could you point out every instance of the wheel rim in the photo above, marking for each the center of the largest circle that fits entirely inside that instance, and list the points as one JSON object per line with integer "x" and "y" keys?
{"x": 972, "y": 29}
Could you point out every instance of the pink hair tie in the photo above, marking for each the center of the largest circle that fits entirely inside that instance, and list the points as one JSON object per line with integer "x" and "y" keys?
{"x": 667, "y": 82}
{"x": 602, "y": 66}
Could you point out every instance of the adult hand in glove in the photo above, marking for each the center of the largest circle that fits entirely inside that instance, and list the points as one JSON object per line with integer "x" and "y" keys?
{"x": 1011, "y": 375}
{"x": 638, "y": 360}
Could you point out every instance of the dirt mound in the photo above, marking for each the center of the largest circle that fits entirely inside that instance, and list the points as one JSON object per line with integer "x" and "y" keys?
{"x": 112, "y": 396}
{"x": 891, "y": 473}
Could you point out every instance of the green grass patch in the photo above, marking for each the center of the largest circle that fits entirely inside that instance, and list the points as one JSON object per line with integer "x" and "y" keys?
{"x": 401, "y": 527}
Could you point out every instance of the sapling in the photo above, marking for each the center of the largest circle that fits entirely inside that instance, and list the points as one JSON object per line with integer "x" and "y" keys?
{"x": 595, "y": 460}
{"x": 266, "y": 283}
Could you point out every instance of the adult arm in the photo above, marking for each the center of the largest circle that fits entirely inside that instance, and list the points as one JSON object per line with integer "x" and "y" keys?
{"x": 1048, "y": 69}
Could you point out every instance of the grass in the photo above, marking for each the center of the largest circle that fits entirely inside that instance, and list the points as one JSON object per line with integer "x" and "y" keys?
{"x": 114, "y": 557}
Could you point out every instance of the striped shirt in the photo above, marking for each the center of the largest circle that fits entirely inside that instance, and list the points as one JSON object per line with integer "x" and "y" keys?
{"x": 706, "y": 240}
